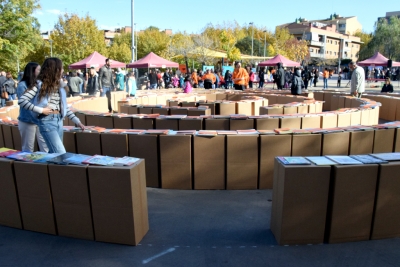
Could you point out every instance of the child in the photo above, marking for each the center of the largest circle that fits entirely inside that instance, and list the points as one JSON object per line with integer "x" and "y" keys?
{"x": 339, "y": 79}
{"x": 181, "y": 81}
{"x": 188, "y": 86}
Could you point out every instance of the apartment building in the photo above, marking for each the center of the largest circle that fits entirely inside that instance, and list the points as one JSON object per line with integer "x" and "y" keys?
{"x": 391, "y": 14}
{"x": 109, "y": 35}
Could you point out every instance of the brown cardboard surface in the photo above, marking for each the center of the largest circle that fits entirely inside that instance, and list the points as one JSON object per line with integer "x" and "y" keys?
{"x": 226, "y": 108}
{"x": 123, "y": 123}
{"x": 124, "y": 109}
{"x": 334, "y": 102}
{"x": 242, "y": 162}
{"x": 92, "y": 120}
{"x": 396, "y": 142}
{"x": 88, "y": 143}
{"x": 216, "y": 124}
{"x": 272, "y": 146}
{"x": 312, "y": 108}
{"x": 289, "y": 110}
{"x": 167, "y": 124}
{"x": 329, "y": 121}
{"x": 81, "y": 117}
{"x": 310, "y": 122}
{"x": 328, "y": 97}
{"x": 161, "y": 111}
{"x": 383, "y": 140}
{"x": 341, "y": 102}
{"x": 178, "y": 111}
{"x": 1, "y": 136}
{"x": 114, "y": 145}
{"x": 301, "y": 204}
{"x": 266, "y": 124}
{"x": 291, "y": 123}
{"x": 106, "y": 122}
{"x": 7, "y": 135}
{"x": 209, "y": 162}
{"x": 35, "y": 197}
{"x": 146, "y": 147}
{"x": 302, "y": 109}
{"x": 176, "y": 161}
{"x": 306, "y": 145}
{"x": 69, "y": 140}
{"x": 144, "y": 124}
{"x": 189, "y": 104}
{"x": 352, "y": 203}
{"x": 355, "y": 118}
{"x": 70, "y": 192}
{"x": 198, "y": 112}
{"x": 16, "y": 138}
{"x": 365, "y": 113}
{"x": 241, "y": 124}
{"x": 190, "y": 124}
{"x": 335, "y": 143}
{"x": 361, "y": 142}
{"x": 9, "y": 207}
{"x": 118, "y": 204}
{"x": 244, "y": 108}
{"x": 133, "y": 110}
{"x": 387, "y": 216}
{"x": 344, "y": 119}
{"x": 211, "y": 105}
{"x": 347, "y": 102}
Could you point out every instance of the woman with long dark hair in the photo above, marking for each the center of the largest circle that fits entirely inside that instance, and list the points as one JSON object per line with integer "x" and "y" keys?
{"x": 26, "y": 122}
{"x": 48, "y": 102}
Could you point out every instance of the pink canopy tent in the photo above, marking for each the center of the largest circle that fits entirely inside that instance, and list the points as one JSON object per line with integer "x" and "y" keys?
{"x": 377, "y": 60}
{"x": 152, "y": 61}
{"x": 97, "y": 60}
{"x": 279, "y": 59}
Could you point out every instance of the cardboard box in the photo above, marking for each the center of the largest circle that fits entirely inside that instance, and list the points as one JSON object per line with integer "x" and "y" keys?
{"x": 226, "y": 108}
{"x": 242, "y": 162}
{"x": 176, "y": 161}
{"x": 365, "y": 113}
{"x": 133, "y": 110}
{"x": 167, "y": 124}
{"x": 209, "y": 162}
{"x": 306, "y": 145}
{"x": 335, "y": 143}
{"x": 8, "y": 137}
{"x": 124, "y": 109}
{"x": 178, "y": 111}
{"x": 191, "y": 124}
{"x": 161, "y": 111}
{"x": 16, "y": 138}
{"x": 344, "y": 119}
{"x": 396, "y": 144}
{"x": 70, "y": 192}
{"x": 198, "y": 112}
{"x": 123, "y": 123}
{"x": 189, "y": 104}
{"x": 334, "y": 102}
{"x": 92, "y": 120}
{"x": 244, "y": 108}
{"x": 1, "y": 136}
{"x": 271, "y": 110}
{"x": 342, "y": 103}
{"x": 266, "y": 124}
{"x": 355, "y": 118}
{"x": 384, "y": 140}
{"x": 144, "y": 124}
{"x": 217, "y": 124}
{"x": 289, "y": 110}
{"x": 241, "y": 124}
{"x": 35, "y": 198}
{"x": 9, "y": 207}
{"x": 88, "y": 143}
{"x": 106, "y": 122}
{"x": 272, "y": 146}
{"x": 352, "y": 200}
{"x": 291, "y": 123}
{"x": 119, "y": 203}
{"x": 310, "y": 122}
{"x": 312, "y": 108}
{"x": 329, "y": 121}
{"x": 302, "y": 109}
{"x": 81, "y": 117}
{"x": 386, "y": 219}
{"x": 301, "y": 200}
{"x": 211, "y": 105}
{"x": 361, "y": 143}
{"x": 147, "y": 147}
{"x": 114, "y": 145}
{"x": 69, "y": 140}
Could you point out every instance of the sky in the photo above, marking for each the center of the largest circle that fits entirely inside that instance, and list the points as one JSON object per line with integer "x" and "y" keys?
{"x": 193, "y": 16}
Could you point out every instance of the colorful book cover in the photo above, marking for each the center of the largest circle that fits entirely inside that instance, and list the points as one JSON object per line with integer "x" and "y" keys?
{"x": 387, "y": 156}
{"x": 99, "y": 160}
{"x": 61, "y": 159}
{"x": 294, "y": 160}
{"x": 27, "y": 156}
{"x": 76, "y": 159}
{"x": 5, "y": 149}
{"x": 47, "y": 157}
{"x": 8, "y": 153}
{"x": 125, "y": 161}
{"x": 344, "y": 160}
{"x": 368, "y": 159}
{"x": 207, "y": 133}
{"x": 321, "y": 161}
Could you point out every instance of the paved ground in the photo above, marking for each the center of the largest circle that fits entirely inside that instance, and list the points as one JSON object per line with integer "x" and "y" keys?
{"x": 195, "y": 228}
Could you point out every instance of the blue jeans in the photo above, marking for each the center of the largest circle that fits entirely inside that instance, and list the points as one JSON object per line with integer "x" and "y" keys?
{"x": 153, "y": 86}
{"x": 2, "y": 103}
{"x": 107, "y": 92}
{"x": 51, "y": 128}
{"x": 261, "y": 84}
{"x": 12, "y": 97}
{"x": 325, "y": 83}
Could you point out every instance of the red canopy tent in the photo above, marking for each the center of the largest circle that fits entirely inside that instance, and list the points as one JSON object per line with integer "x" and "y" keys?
{"x": 377, "y": 60}
{"x": 97, "y": 60}
{"x": 152, "y": 61}
{"x": 279, "y": 59}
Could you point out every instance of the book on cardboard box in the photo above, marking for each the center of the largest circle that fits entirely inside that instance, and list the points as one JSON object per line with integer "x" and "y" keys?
{"x": 321, "y": 161}
{"x": 125, "y": 161}
{"x": 8, "y": 152}
{"x": 368, "y": 159}
{"x": 76, "y": 159}
{"x": 387, "y": 156}
{"x": 60, "y": 159}
{"x": 27, "y": 156}
{"x": 207, "y": 133}
{"x": 294, "y": 160}
{"x": 344, "y": 160}
{"x": 100, "y": 160}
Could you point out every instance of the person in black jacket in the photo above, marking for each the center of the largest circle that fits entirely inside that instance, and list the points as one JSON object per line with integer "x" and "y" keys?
{"x": 387, "y": 87}
{"x": 261, "y": 76}
{"x": 306, "y": 77}
{"x": 93, "y": 82}
{"x": 280, "y": 76}
{"x": 297, "y": 83}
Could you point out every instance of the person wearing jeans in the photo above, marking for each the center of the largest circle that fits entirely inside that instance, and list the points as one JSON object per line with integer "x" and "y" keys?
{"x": 106, "y": 83}
{"x": 326, "y": 77}
{"x": 106, "y": 91}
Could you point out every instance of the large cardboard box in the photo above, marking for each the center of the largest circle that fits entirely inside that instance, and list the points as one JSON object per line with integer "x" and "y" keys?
{"x": 241, "y": 124}
{"x": 82, "y": 117}
{"x": 191, "y": 124}
{"x": 176, "y": 161}
{"x": 1, "y": 136}
{"x": 226, "y": 108}
{"x": 383, "y": 140}
{"x": 334, "y": 102}
{"x": 209, "y": 162}
{"x": 352, "y": 200}
{"x": 8, "y": 137}
{"x": 396, "y": 143}
{"x": 272, "y": 146}
{"x": 16, "y": 138}
{"x": 35, "y": 198}
{"x": 244, "y": 108}
{"x": 290, "y": 110}
{"x": 217, "y": 124}
{"x": 147, "y": 147}
{"x": 344, "y": 119}
{"x": 92, "y": 120}
{"x": 329, "y": 121}
{"x": 69, "y": 140}
{"x": 291, "y": 123}
{"x": 171, "y": 124}
{"x": 119, "y": 203}
{"x": 114, "y": 145}
{"x": 133, "y": 110}
{"x": 271, "y": 110}
{"x": 178, "y": 111}
{"x": 365, "y": 113}
{"x": 9, "y": 207}
{"x": 266, "y": 123}
{"x": 387, "y": 207}
{"x": 106, "y": 122}
{"x": 301, "y": 201}
{"x": 361, "y": 142}
{"x": 123, "y": 123}
{"x": 211, "y": 105}
{"x": 88, "y": 143}
{"x": 306, "y": 145}
{"x": 242, "y": 162}
{"x": 144, "y": 124}
{"x": 198, "y": 112}
{"x": 335, "y": 143}
{"x": 355, "y": 118}
{"x": 310, "y": 122}
{"x": 161, "y": 111}
{"x": 70, "y": 192}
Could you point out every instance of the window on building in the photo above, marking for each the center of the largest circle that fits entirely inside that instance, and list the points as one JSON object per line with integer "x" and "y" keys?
{"x": 311, "y": 50}
{"x": 330, "y": 52}
{"x": 335, "y": 42}
{"x": 334, "y": 53}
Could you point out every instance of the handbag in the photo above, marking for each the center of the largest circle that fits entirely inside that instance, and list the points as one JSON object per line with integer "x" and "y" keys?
{"x": 4, "y": 94}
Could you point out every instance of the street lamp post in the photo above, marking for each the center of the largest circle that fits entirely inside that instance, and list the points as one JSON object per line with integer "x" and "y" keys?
{"x": 133, "y": 31}
{"x": 51, "y": 47}
{"x": 136, "y": 42}
{"x": 252, "y": 39}
{"x": 265, "y": 42}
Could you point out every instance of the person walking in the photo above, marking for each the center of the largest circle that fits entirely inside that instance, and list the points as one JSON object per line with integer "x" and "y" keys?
{"x": 48, "y": 103}
{"x": 209, "y": 79}
{"x": 387, "y": 87}
{"x": 153, "y": 79}
{"x": 228, "y": 79}
{"x": 325, "y": 76}
{"x": 120, "y": 80}
{"x": 239, "y": 77}
{"x": 92, "y": 87}
{"x": 339, "y": 79}
{"x": 187, "y": 88}
{"x": 280, "y": 76}
{"x": 261, "y": 76}
{"x": 216, "y": 83}
{"x": 10, "y": 86}
{"x": 357, "y": 85}
{"x": 316, "y": 76}
{"x": 195, "y": 79}
{"x": 131, "y": 86}
{"x": 306, "y": 77}
{"x": 74, "y": 84}
{"x": 297, "y": 83}
{"x": 106, "y": 83}
{"x": 28, "y": 129}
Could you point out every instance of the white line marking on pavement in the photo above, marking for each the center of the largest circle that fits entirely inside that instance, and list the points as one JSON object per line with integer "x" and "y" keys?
{"x": 158, "y": 255}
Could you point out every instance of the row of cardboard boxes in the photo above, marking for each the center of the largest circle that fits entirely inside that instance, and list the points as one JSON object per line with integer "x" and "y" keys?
{"x": 106, "y": 204}
{"x": 335, "y": 204}
{"x": 228, "y": 161}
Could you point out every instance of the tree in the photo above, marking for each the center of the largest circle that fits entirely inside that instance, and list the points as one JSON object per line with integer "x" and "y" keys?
{"x": 19, "y": 32}
{"x": 228, "y": 42}
{"x": 75, "y": 38}
{"x": 244, "y": 46}
{"x": 204, "y": 45}
{"x": 296, "y": 50}
{"x": 120, "y": 48}
{"x": 182, "y": 45}
{"x": 365, "y": 39}
{"x": 152, "y": 40}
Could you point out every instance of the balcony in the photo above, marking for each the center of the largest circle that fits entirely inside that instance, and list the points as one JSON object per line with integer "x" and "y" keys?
{"x": 318, "y": 55}
{"x": 316, "y": 43}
